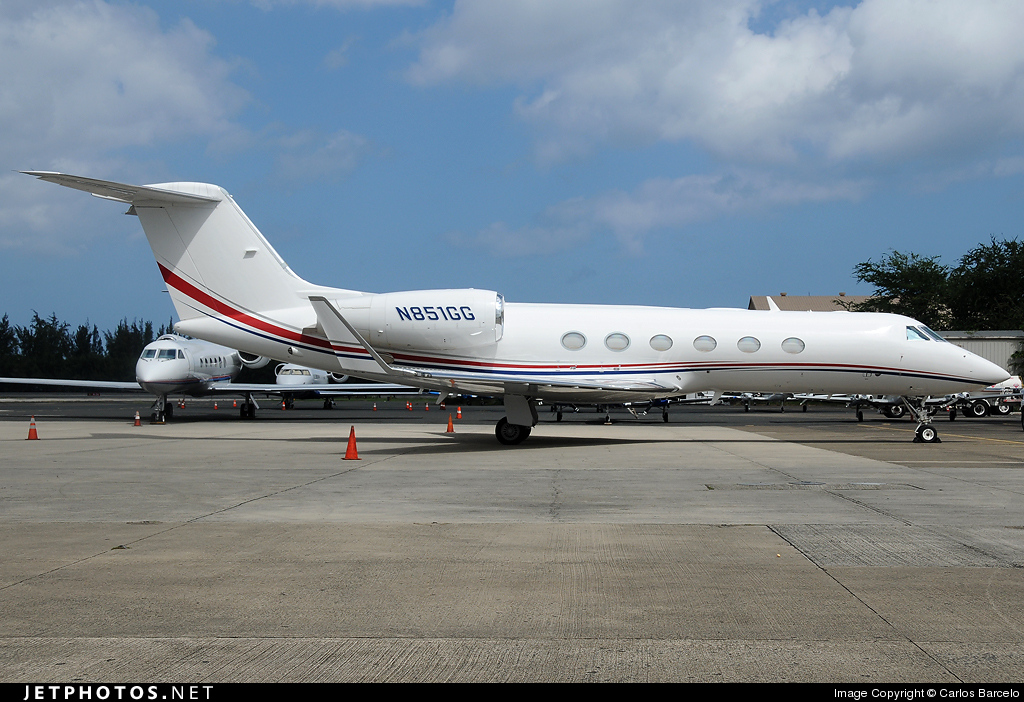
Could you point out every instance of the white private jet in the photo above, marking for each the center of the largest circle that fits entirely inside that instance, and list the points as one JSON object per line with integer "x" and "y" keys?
{"x": 174, "y": 365}
{"x": 230, "y": 286}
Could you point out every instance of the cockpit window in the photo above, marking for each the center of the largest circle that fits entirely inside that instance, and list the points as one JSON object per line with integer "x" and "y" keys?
{"x": 930, "y": 333}
{"x": 166, "y": 354}
{"x": 915, "y": 334}
{"x": 181, "y": 354}
{"x": 149, "y": 353}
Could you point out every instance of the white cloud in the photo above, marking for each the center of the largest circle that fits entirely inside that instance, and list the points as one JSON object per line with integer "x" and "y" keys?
{"x": 656, "y": 204}
{"x": 886, "y": 80}
{"x": 82, "y": 80}
{"x": 308, "y": 155}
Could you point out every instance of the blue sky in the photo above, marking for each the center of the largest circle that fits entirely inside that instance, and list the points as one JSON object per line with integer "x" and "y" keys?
{"x": 664, "y": 153}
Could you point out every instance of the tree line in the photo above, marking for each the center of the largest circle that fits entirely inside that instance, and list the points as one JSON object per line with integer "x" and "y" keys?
{"x": 50, "y": 348}
{"x": 984, "y": 291}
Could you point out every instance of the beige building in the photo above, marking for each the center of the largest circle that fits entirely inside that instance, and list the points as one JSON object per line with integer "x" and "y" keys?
{"x": 805, "y": 303}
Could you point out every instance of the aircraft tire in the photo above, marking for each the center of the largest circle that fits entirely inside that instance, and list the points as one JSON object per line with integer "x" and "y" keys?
{"x": 558, "y": 416}
{"x": 952, "y": 414}
{"x": 664, "y": 416}
{"x": 1002, "y": 409}
{"x": 895, "y": 411}
{"x": 510, "y": 434}
{"x": 978, "y": 409}
{"x": 927, "y": 434}
{"x": 860, "y": 416}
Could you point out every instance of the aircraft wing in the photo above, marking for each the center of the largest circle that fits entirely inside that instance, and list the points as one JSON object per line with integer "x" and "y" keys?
{"x": 99, "y": 384}
{"x": 491, "y": 383}
{"x": 320, "y": 390}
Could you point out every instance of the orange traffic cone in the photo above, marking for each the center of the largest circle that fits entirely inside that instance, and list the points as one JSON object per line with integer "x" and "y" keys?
{"x": 451, "y": 427}
{"x": 350, "y": 452}
{"x": 458, "y": 413}
{"x": 408, "y": 406}
{"x": 374, "y": 406}
{"x": 442, "y": 405}
{"x": 426, "y": 407}
{"x": 283, "y": 404}
{"x": 215, "y": 405}
{"x": 138, "y": 420}
{"x": 234, "y": 404}
{"x": 32, "y": 435}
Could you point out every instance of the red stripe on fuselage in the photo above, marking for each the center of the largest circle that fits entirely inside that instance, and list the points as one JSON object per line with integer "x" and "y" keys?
{"x": 213, "y": 303}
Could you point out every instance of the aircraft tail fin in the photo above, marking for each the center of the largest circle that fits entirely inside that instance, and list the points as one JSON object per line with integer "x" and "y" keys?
{"x": 212, "y": 257}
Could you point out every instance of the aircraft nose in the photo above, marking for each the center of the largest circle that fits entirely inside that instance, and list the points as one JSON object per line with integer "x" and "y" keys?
{"x": 986, "y": 372}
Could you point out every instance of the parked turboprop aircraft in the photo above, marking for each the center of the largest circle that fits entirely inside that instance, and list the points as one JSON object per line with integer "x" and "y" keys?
{"x": 229, "y": 286}
{"x": 173, "y": 365}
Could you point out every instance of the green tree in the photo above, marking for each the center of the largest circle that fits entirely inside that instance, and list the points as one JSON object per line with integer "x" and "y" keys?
{"x": 124, "y": 346}
{"x": 986, "y": 290}
{"x": 907, "y": 284}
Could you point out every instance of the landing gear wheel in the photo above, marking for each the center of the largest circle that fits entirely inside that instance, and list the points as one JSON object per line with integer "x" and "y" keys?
{"x": 860, "y": 416}
{"x": 952, "y": 414}
{"x": 895, "y": 411}
{"x": 558, "y": 416}
{"x": 977, "y": 409}
{"x": 1002, "y": 409}
{"x": 168, "y": 412}
{"x": 510, "y": 434}
{"x": 927, "y": 434}
{"x": 664, "y": 416}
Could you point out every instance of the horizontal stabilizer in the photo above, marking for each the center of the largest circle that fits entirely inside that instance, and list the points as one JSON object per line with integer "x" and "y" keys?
{"x": 122, "y": 192}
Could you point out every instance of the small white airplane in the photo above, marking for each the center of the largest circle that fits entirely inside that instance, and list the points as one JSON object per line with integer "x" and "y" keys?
{"x": 173, "y": 365}
{"x": 231, "y": 287}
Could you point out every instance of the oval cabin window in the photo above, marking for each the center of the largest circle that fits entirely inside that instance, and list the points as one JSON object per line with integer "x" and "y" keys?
{"x": 705, "y": 343}
{"x": 617, "y": 341}
{"x": 748, "y": 344}
{"x": 574, "y": 341}
{"x": 661, "y": 342}
{"x": 793, "y": 345}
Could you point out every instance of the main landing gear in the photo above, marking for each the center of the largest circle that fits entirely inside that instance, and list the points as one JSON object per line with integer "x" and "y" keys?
{"x": 247, "y": 410}
{"x": 511, "y": 434}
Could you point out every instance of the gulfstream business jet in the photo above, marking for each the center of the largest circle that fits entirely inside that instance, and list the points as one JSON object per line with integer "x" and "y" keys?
{"x": 230, "y": 287}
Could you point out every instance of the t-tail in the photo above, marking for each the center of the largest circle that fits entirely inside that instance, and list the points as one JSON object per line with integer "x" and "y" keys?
{"x": 222, "y": 274}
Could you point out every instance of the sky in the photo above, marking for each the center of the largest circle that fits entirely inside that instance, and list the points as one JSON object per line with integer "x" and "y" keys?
{"x": 685, "y": 154}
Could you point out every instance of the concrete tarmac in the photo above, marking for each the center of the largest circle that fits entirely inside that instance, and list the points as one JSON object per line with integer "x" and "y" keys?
{"x": 722, "y": 546}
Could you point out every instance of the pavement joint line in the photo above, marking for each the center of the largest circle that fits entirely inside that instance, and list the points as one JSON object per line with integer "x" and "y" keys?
{"x": 871, "y": 609}
{"x": 196, "y": 519}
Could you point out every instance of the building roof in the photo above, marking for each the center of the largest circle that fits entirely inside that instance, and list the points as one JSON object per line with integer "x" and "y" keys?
{"x": 804, "y": 303}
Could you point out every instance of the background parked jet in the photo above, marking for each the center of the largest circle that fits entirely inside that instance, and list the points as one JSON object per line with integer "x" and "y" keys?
{"x": 174, "y": 365}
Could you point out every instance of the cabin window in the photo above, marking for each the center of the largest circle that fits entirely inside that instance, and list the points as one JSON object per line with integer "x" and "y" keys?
{"x": 617, "y": 341}
{"x": 574, "y": 341}
{"x": 748, "y": 344}
{"x": 705, "y": 343}
{"x": 915, "y": 334}
{"x": 661, "y": 342}
{"x": 793, "y": 345}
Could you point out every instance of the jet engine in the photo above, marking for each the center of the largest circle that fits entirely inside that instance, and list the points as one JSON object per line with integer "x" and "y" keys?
{"x": 250, "y": 360}
{"x": 430, "y": 320}
{"x": 337, "y": 377}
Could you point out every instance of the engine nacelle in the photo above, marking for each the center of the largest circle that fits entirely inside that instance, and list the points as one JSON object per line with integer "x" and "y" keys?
{"x": 250, "y": 360}
{"x": 430, "y": 320}
{"x": 337, "y": 377}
